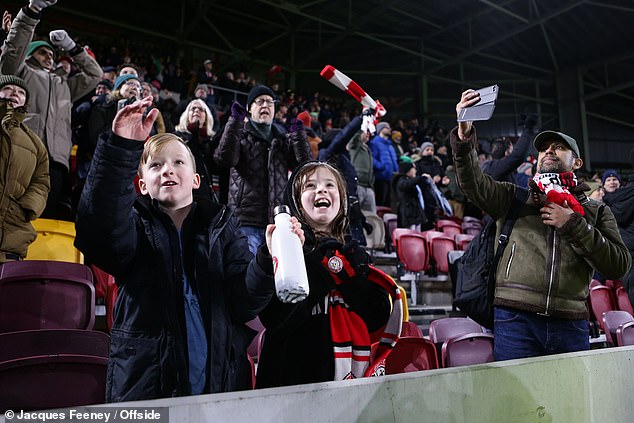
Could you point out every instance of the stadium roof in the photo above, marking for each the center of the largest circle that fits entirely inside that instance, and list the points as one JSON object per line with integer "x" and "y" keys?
{"x": 415, "y": 54}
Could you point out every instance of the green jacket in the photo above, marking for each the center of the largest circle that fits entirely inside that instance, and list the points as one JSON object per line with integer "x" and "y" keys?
{"x": 544, "y": 270}
{"x": 24, "y": 181}
{"x": 361, "y": 158}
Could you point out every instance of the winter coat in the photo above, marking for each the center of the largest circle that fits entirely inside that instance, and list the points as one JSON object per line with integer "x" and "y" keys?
{"x": 432, "y": 165}
{"x": 409, "y": 209}
{"x": 99, "y": 124}
{"x": 203, "y": 147}
{"x": 24, "y": 181}
{"x": 384, "y": 158}
{"x": 621, "y": 203}
{"x": 361, "y": 158}
{"x": 298, "y": 344}
{"x": 259, "y": 168}
{"x": 543, "y": 270}
{"x": 50, "y": 96}
{"x": 134, "y": 240}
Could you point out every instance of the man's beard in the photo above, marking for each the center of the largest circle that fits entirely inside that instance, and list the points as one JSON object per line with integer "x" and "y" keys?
{"x": 554, "y": 166}
{"x": 263, "y": 120}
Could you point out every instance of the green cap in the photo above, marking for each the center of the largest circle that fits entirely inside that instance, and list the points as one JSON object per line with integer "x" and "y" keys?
{"x": 34, "y": 45}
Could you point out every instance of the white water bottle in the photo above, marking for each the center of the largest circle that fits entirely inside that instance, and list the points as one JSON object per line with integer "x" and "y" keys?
{"x": 289, "y": 267}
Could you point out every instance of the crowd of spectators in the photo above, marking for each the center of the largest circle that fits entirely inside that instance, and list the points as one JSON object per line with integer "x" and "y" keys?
{"x": 92, "y": 110}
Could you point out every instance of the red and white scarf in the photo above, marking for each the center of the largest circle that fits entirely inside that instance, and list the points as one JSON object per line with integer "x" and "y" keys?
{"x": 557, "y": 186}
{"x": 350, "y": 336}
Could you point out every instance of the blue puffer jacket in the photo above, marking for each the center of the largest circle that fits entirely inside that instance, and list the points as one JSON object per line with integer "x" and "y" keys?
{"x": 384, "y": 157}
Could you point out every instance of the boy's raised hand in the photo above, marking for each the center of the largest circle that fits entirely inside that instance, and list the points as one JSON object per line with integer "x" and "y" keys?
{"x": 129, "y": 122}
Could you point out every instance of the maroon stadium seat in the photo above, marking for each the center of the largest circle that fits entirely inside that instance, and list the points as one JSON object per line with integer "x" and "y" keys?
{"x": 464, "y": 350}
{"x": 39, "y": 294}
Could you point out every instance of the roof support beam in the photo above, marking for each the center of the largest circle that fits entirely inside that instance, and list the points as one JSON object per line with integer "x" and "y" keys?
{"x": 472, "y": 50}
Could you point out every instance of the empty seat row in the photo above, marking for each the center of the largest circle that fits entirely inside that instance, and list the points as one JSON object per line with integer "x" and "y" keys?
{"x": 452, "y": 342}
{"x": 50, "y": 356}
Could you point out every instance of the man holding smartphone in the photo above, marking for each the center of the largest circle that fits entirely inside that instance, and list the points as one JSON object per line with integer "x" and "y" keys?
{"x": 558, "y": 240}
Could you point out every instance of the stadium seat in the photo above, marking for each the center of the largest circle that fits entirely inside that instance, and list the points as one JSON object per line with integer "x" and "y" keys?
{"x": 450, "y": 327}
{"x": 625, "y": 334}
{"x": 43, "y": 294}
{"x": 464, "y": 350}
{"x": 411, "y": 329}
{"x": 52, "y": 381}
{"x": 612, "y": 319}
{"x": 411, "y": 355}
{"x": 412, "y": 253}
{"x": 375, "y": 240}
{"x": 439, "y": 245}
{"x": 381, "y": 210}
{"x": 30, "y": 343}
{"x": 52, "y": 368}
{"x": 390, "y": 220}
{"x": 462, "y": 241}
{"x": 396, "y": 234}
{"x": 55, "y": 241}
{"x": 448, "y": 227}
{"x": 404, "y": 303}
{"x": 472, "y": 227}
{"x": 601, "y": 300}
{"x": 623, "y": 300}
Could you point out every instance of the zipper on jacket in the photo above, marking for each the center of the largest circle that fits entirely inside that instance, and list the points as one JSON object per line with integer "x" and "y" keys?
{"x": 508, "y": 265}
{"x": 552, "y": 271}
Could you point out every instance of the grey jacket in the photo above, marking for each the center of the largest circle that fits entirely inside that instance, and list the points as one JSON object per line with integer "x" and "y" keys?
{"x": 544, "y": 270}
{"x": 51, "y": 96}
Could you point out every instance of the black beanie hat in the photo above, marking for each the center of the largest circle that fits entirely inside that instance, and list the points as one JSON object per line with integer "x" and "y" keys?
{"x": 14, "y": 80}
{"x": 257, "y": 91}
{"x": 405, "y": 166}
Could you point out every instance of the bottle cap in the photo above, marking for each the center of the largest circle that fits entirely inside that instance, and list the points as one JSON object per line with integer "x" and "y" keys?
{"x": 281, "y": 209}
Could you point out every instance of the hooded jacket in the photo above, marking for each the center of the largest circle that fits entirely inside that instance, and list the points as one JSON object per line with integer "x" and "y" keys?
{"x": 51, "y": 96}
{"x": 543, "y": 270}
{"x": 24, "y": 181}
{"x": 134, "y": 240}
{"x": 259, "y": 168}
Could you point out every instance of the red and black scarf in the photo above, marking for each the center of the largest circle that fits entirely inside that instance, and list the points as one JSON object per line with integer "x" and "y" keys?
{"x": 557, "y": 187}
{"x": 350, "y": 336}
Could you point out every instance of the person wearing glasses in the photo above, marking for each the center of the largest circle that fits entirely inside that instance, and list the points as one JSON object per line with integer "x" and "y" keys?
{"x": 260, "y": 154}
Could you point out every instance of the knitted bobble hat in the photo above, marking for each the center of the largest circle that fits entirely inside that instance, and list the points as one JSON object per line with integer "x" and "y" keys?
{"x": 14, "y": 80}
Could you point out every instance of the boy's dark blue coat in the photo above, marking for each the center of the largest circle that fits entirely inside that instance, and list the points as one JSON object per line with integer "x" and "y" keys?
{"x": 132, "y": 239}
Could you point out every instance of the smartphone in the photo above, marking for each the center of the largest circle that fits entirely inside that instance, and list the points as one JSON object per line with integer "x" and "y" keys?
{"x": 483, "y": 109}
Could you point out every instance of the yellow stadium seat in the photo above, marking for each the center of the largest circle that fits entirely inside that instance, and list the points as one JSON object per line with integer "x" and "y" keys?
{"x": 404, "y": 303}
{"x": 54, "y": 241}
